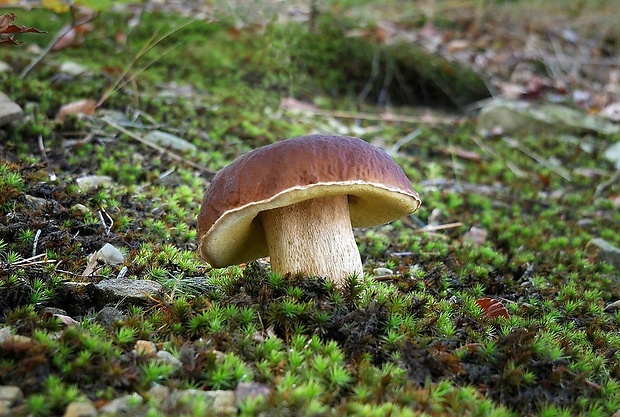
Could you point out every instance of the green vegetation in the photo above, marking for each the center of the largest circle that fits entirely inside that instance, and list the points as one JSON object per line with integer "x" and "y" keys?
{"x": 413, "y": 343}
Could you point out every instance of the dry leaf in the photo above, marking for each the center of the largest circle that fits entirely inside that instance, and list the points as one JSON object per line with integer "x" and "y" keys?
{"x": 72, "y": 37}
{"x": 492, "y": 308}
{"x": 7, "y": 27}
{"x": 77, "y": 107}
{"x": 462, "y": 153}
{"x": 288, "y": 103}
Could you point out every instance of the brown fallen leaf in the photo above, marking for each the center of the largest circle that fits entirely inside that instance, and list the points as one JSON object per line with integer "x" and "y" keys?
{"x": 462, "y": 153}
{"x": 291, "y": 104}
{"x": 77, "y": 107}
{"x": 72, "y": 36}
{"x": 492, "y": 308}
{"x": 7, "y": 27}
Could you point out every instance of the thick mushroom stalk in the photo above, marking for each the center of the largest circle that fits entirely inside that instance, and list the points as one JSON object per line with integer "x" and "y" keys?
{"x": 314, "y": 237}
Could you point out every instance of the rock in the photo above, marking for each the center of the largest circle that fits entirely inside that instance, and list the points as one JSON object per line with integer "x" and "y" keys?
{"x": 10, "y": 398}
{"x": 381, "y": 272}
{"x": 247, "y": 390}
{"x": 5, "y": 68}
{"x": 129, "y": 290}
{"x": 611, "y": 112}
{"x": 109, "y": 316}
{"x": 168, "y": 140}
{"x": 72, "y": 68}
{"x": 9, "y": 110}
{"x": 6, "y": 336}
{"x": 603, "y": 251}
{"x": 5, "y": 410}
{"x": 182, "y": 402}
{"x": 92, "y": 181}
{"x": 11, "y": 395}
{"x": 170, "y": 359}
{"x": 222, "y": 403}
{"x": 127, "y": 405}
{"x": 81, "y": 409}
{"x": 159, "y": 396}
{"x": 612, "y": 154}
{"x": 53, "y": 310}
{"x": 81, "y": 208}
{"x": 110, "y": 255}
{"x": 145, "y": 347}
{"x": 60, "y": 314}
{"x": 475, "y": 236}
{"x": 34, "y": 203}
{"x": 519, "y": 116}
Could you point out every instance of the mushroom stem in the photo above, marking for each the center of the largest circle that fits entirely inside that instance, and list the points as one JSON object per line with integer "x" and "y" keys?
{"x": 314, "y": 237}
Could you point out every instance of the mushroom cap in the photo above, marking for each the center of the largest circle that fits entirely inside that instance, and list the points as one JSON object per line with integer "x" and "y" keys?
{"x": 292, "y": 171}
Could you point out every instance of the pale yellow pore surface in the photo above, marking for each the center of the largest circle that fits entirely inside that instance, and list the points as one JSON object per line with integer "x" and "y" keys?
{"x": 315, "y": 237}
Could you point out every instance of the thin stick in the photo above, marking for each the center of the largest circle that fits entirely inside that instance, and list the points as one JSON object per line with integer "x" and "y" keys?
{"x": 432, "y": 228}
{"x": 404, "y": 140}
{"x": 106, "y": 228}
{"x": 602, "y": 186}
{"x": 340, "y": 114}
{"x": 558, "y": 170}
{"x": 36, "y": 242}
{"x": 49, "y": 47}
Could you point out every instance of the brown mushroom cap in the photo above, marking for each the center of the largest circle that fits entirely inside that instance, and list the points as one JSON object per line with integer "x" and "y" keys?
{"x": 292, "y": 171}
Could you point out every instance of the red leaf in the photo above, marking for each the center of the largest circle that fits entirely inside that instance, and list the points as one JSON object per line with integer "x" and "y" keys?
{"x": 492, "y": 308}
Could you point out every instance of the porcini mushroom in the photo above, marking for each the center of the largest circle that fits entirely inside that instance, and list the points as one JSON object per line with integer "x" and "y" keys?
{"x": 297, "y": 200}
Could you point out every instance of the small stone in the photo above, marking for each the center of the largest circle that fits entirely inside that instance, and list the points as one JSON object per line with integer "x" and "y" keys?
{"x": 603, "y": 251}
{"x": 81, "y": 208}
{"x": 612, "y": 154}
{"x": 170, "y": 359}
{"x": 222, "y": 402}
{"x": 88, "y": 182}
{"x": 5, "y": 68}
{"x": 11, "y": 395}
{"x": 5, "y": 409}
{"x": 110, "y": 316}
{"x": 381, "y": 272}
{"x": 475, "y": 236}
{"x": 159, "y": 396}
{"x": 126, "y": 405}
{"x": 81, "y": 409}
{"x": 612, "y": 112}
{"x": 520, "y": 116}
{"x": 9, "y": 110}
{"x": 34, "y": 203}
{"x": 247, "y": 390}
{"x": 6, "y": 336}
{"x": 168, "y": 140}
{"x": 110, "y": 255}
{"x": 129, "y": 290}
{"x": 145, "y": 347}
{"x": 72, "y": 68}
{"x": 585, "y": 222}
{"x": 53, "y": 310}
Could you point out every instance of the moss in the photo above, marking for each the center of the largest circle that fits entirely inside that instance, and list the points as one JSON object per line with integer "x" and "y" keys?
{"x": 414, "y": 343}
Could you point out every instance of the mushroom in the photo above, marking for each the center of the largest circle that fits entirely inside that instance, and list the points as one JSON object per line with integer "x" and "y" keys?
{"x": 297, "y": 200}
